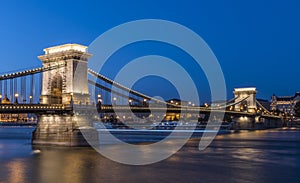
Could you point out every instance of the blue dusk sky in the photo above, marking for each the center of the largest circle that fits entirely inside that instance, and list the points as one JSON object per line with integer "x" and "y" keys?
{"x": 257, "y": 43}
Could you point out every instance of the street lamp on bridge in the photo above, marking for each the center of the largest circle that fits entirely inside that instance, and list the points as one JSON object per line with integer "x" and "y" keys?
{"x": 145, "y": 102}
{"x": 16, "y": 98}
{"x": 30, "y": 99}
{"x": 99, "y": 98}
{"x": 206, "y": 105}
{"x": 115, "y": 99}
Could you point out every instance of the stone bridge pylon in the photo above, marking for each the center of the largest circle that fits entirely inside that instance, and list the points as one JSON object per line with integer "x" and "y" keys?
{"x": 66, "y": 85}
{"x": 245, "y": 99}
{"x": 69, "y": 80}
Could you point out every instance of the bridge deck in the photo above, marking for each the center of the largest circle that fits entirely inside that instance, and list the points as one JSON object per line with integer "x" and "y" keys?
{"x": 61, "y": 109}
{"x": 35, "y": 108}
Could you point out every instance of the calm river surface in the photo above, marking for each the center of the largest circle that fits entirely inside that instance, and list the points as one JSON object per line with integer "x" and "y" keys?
{"x": 259, "y": 156}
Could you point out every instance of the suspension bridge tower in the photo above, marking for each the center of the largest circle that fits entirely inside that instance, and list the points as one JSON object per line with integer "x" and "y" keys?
{"x": 245, "y": 99}
{"x": 68, "y": 82}
{"x": 65, "y": 83}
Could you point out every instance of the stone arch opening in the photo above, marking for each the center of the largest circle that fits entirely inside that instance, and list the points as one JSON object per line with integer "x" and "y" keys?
{"x": 56, "y": 90}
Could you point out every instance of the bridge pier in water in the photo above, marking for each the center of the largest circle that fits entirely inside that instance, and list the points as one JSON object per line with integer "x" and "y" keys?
{"x": 64, "y": 130}
{"x": 256, "y": 122}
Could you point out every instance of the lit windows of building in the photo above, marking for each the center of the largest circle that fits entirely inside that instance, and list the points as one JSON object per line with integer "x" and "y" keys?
{"x": 284, "y": 103}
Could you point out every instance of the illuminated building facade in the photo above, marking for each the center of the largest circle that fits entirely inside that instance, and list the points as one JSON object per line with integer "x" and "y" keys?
{"x": 284, "y": 103}
{"x": 12, "y": 117}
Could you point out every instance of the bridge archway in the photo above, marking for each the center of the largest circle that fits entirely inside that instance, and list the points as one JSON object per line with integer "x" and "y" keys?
{"x": 56, "y": 89}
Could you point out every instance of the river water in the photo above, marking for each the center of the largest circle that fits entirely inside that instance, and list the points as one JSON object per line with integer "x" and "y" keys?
{"x": 258, "y": 156}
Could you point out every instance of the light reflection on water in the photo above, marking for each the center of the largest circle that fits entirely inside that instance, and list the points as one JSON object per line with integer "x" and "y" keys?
{"x": 266, "y": 156}
{"x": 16, "y": 171}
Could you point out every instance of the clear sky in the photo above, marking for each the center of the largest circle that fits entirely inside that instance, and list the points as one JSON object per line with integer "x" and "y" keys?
{"x": 256, "y": 42}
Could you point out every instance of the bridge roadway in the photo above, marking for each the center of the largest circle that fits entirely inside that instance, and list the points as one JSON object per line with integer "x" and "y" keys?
{"x": 68, "y": 109}
{"x": 62, "y": 109}
{"x": 187, "y": 109}
{"x": 35, "y": 108}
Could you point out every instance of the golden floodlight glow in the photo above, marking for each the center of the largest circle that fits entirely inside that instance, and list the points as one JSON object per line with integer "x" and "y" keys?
{"x": 245, "y": 89}
{"x": 65, "y": 47}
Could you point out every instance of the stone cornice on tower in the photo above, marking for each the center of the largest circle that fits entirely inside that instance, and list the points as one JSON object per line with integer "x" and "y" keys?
{"x": 250, "y": 90}
{"x": 65, "y": 52}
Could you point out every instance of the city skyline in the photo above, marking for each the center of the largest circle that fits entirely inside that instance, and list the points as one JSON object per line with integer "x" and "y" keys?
{"x": 263, "y": 37}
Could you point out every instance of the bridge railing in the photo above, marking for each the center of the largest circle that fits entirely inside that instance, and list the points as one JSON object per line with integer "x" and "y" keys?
{"x": 35, "y": 108}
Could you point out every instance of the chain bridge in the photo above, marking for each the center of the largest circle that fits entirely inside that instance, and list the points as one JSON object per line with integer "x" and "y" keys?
{"x": 62, "y": 92}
